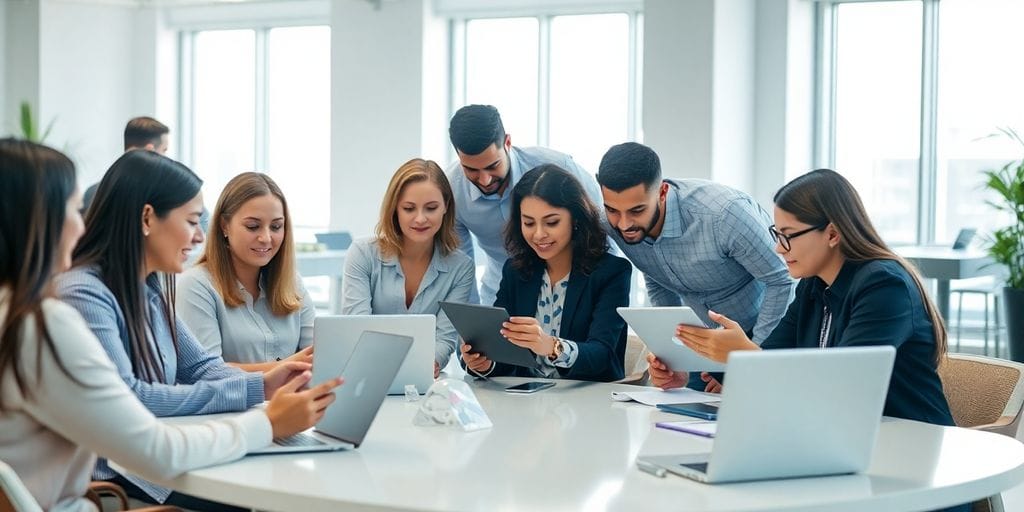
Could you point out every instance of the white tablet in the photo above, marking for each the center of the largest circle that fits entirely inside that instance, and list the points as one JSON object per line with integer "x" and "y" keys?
{"x": 657, "y": 328}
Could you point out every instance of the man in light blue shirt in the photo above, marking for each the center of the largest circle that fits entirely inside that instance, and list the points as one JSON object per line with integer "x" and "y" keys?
{"x": 482, "y": 181}
{"x": 697, "y": 243}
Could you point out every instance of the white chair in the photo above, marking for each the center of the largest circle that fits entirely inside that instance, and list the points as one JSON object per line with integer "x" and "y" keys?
{"x": 14, "y": 496}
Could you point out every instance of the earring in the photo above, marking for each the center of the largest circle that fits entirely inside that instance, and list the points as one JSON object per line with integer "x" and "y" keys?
{"x": 145, "y": 233}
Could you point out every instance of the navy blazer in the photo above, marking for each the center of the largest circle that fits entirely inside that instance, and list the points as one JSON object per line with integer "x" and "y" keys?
{"x": 873, "y": 303}
{"x": 588, "y": 318}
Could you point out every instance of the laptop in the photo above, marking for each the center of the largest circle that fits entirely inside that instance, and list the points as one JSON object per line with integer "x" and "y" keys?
{"x": 418, "y": 368}
{"x": 367, "y": 373}
{"x": 657, "y": 328}
{"x": 792, "y": 413}
{"x": 480, "y": 327}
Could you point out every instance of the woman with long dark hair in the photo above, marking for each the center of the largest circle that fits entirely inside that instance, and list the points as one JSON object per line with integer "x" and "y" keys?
{"x": 560, "y": 285}
{"x": 243, "y": 300}
{"x": 140, "y": 229}
{"x": 61, "y": 399}
{"x": 854, "y": 290}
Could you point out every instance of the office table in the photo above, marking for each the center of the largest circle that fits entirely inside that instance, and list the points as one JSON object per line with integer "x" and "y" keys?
{"x": 324, "y": 263}
{"x": 944, "y": 264}
{"x": 572, "y": 448}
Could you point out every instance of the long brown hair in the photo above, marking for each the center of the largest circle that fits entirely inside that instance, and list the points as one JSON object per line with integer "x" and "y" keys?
{"x": 282, "y": 294}
{"x": 38, "y": 181}
{"x": 114, "y": 243}
{"x": 389, "y": 233}
{"x": 824, "y": 196}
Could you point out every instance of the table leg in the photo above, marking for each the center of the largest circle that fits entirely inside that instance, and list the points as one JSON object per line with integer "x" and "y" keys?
{"x": 942, "y": 298}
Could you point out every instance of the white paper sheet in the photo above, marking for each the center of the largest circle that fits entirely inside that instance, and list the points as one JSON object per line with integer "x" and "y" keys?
{"x": 672, "y": 396}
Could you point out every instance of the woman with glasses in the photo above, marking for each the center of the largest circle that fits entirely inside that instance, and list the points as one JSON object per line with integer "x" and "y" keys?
{"x": 854, "y": 290}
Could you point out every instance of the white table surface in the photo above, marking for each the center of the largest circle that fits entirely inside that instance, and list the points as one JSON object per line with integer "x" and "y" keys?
{"x": 572, "y": 448}
{"x": 945, "y": 264}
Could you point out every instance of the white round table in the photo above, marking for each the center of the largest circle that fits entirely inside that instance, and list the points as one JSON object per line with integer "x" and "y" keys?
{"x": 572, "y": 448}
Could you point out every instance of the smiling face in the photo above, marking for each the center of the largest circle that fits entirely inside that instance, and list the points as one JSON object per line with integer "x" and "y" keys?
{"x": 168, "y": 241}
{"x": 488, "y": 170}
{"x": 635, "y": 213}
{"x": 420, "y": 211}
{"x": 811, "y": 253}
{"x": 255, "y": 232}
{"x": 547, "y": 229}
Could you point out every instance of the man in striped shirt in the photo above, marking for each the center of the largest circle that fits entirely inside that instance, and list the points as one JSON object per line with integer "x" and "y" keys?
{"x": 698, "y": 243}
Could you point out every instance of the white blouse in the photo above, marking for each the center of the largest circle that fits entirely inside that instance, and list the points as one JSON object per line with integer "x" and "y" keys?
{"x": 52, "y": 437}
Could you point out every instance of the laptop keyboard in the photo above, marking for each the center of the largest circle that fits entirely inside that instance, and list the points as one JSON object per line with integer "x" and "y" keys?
{"x": 700, "y": 466}
{"x": 300, "y": 439}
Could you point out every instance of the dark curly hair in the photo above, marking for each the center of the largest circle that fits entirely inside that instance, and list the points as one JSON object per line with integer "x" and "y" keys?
{"x": 557, "y": 187}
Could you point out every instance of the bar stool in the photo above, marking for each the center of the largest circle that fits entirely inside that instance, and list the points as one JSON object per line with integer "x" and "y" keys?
{"x": 988, "y": 288}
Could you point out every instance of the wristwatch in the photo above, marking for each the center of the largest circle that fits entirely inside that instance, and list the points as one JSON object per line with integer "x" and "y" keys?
{"x": 556, "y": 349}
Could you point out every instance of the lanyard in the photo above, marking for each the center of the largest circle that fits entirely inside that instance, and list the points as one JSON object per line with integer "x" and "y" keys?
{"x": 826, "y": 326}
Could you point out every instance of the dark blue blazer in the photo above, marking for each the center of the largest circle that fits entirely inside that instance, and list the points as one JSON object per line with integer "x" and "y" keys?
{"x": 873, "y": 303}
{"x": 588, "y": 316}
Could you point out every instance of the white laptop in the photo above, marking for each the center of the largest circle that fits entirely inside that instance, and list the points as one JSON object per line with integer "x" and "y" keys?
{"x": 418, "y": 367}
{"x": 793, "y": 413}
{"x": 657, "y": 328}
{"x": 367, "y": 373}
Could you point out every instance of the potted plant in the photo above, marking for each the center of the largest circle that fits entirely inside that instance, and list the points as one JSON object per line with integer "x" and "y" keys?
{"x": 1007, "y": 243}
{"x": 29, "y": 127}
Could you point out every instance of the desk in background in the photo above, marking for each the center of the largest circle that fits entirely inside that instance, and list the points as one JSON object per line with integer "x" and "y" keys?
{"x": 572, "y": 448}
{"x": 944, "y": 264}
{"x": 324, "y": 263}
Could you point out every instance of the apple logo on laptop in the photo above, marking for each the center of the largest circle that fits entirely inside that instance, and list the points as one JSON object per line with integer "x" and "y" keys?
{"x": 359, "y": 388}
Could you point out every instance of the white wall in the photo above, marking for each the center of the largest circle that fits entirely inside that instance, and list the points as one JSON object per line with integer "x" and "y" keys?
{"x": 378, "y": 102}
{"x": 87, "y": 81}
{"x": 784, "y": 106}
{"x": 6, "y": 124}
{"x": 21, "y": 59}
{"x": 733, "y": 72}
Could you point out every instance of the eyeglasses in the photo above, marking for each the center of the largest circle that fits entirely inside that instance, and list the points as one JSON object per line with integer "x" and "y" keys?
{"x": 784, "y": 239}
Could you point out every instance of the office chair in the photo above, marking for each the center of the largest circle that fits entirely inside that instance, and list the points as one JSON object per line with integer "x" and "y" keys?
{"x": 335, "y": 240}
{"x": 987, "y": 394}
{"x": 635, "y": 362}
{"x": 14, "y": 496}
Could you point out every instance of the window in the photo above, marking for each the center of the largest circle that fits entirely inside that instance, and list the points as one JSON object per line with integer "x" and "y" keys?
{"x": 254, "y": 106}
{"x": 919, "y": 169}
{"x": 568, "y": 82}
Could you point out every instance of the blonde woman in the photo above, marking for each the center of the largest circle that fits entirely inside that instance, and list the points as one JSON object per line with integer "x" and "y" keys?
{"x": 413, "y": 262}
{"x": 244, "y": 300}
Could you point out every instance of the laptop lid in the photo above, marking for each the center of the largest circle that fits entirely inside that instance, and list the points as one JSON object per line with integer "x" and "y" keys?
{"x": 368, "y": 373}
{"x": 480, "y": 326}
{"x": 800, "y": 412}
{"x": 342, "y": 333}
{"x": 657, "y": 328}
{"x": 368, "y": 369}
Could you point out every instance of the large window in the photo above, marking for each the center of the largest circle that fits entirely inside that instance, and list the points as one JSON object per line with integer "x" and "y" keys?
{"x": 910, "y": 90}
{"x": 254, "y": 106}
{"x": 568, "y": 82}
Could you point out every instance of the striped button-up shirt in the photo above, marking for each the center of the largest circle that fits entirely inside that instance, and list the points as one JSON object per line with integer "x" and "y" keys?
{"x": 195, "y": 381}
{"x": 714, "y": 252}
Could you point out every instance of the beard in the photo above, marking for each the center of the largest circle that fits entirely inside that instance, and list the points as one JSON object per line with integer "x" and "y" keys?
{"x": 643, "y": 231}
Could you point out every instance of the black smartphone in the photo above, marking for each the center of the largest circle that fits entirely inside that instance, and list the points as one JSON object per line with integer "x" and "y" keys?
{"x": 529, "y": 387}
{"x": 703, "y": 411}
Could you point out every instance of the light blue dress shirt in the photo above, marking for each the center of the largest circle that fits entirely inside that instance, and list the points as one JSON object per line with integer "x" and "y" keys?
{"x": 714, "y": 252}
{"x": 375, "y": 285}
{"x": 195, "y": 381}
{"x": 249, "y": 332}
{"x": 485, "y": 216}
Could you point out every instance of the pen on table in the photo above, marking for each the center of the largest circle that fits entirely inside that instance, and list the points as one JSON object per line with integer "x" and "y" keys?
{"x": 653, "y": 469}
{"x": 677, "y": 428}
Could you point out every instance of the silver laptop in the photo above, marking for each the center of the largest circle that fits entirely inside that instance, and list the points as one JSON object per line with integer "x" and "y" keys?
{"x": 367, "y": 373}
{"x": 657, "y": 328}
{"x": 793, "y": 413}
{"x": 418, "y": 367}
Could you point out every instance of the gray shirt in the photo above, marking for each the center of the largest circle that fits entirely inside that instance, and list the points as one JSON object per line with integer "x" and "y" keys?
{"x": 375, "y": 285}
{"x": 249, "y": 333}
{"x": 714, "y": 252}
{"x": 485, "y": 216}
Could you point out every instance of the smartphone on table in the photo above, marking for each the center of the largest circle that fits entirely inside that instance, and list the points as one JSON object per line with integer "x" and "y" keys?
{"x": 529, "y": 387}
{"x": 702, "y": 411}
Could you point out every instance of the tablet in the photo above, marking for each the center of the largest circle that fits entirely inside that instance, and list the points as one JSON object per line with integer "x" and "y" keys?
{"x": 657, "y": 328}
{"x": 480, "y": 326}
